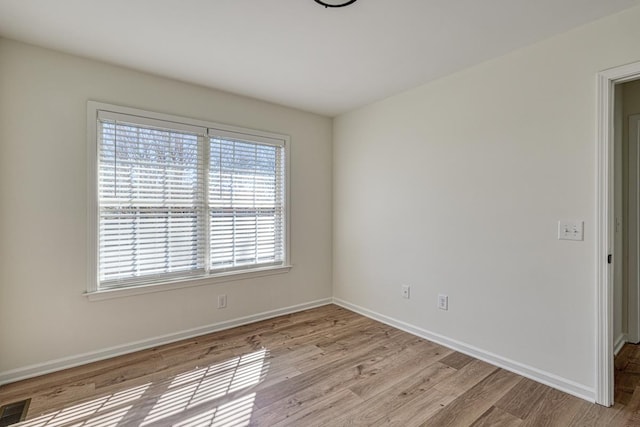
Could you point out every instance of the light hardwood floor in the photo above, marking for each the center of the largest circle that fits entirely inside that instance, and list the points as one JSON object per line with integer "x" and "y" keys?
{"x": 326, "y": 366}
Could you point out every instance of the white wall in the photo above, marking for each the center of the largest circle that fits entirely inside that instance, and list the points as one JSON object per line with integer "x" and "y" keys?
{"x": 456, "y": 187}
{"x": 43, "y": 314}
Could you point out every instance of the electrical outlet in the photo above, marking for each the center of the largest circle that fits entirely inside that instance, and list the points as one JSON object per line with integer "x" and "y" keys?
{"x": 406, "y": 291}
{"x": 443, "y": 302}
{"x": 222, "y": 301}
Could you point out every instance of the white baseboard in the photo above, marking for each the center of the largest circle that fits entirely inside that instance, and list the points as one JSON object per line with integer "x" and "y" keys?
{"x": 94, "y": 356}
{"x": 620, "y": 341}
{"x": 547, "y": 378}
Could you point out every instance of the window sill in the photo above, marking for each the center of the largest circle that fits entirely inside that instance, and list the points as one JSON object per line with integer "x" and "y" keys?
{"x": 185, "y": 283}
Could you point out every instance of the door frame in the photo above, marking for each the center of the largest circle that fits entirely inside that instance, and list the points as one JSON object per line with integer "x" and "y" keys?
{"x": 605, "y": 226}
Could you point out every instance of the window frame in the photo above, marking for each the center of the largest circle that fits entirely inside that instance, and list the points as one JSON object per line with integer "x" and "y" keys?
{"x": 94, "y": 292}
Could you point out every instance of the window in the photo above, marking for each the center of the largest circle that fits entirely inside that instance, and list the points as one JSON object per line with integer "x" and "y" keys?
{"x": 180, "y": 200}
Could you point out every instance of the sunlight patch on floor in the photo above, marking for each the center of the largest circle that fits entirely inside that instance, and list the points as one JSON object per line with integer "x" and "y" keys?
{"x": 105, "y": 404}
{"x": 186, "y": 400}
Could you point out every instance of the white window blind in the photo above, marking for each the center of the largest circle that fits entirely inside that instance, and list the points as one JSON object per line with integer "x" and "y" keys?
{"x": 151, "y": 203}
{"x": 246, "y": 203}
{"x": 177, "y": 201}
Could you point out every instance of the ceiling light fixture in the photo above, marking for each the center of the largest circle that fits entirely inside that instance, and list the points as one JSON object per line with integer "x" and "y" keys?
{"x": 335, "y": 3}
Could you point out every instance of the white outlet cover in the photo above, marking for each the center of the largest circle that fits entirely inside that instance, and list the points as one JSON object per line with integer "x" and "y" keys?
{"x": 222, "y": 301}
{"x": 443, "y": 302}
{"x": 406, "y": 291}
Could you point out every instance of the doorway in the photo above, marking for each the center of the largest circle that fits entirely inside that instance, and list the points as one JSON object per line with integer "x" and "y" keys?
{"x": 626, "y": 292}
{"x": 617, "y": 216}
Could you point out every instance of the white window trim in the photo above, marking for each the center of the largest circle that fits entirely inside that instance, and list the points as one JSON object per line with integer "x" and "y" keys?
{"x": 93, "y": 292}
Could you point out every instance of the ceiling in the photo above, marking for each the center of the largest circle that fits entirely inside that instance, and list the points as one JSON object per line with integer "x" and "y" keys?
{"x": 296, "y": 52}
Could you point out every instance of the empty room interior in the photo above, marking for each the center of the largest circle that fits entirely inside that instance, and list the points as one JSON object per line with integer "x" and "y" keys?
{"x": 304, "y": 212}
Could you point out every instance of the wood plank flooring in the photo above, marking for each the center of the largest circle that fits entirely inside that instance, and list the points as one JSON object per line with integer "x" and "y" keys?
{"x": 325, "y": 366}
{"x": 627, "y": 373}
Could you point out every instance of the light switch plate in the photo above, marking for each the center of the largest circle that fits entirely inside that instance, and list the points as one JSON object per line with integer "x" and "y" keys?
{"x": 570, "y": 230}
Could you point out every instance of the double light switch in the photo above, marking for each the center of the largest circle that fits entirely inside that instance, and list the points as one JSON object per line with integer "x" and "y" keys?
{"x": 570, "y": 230}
